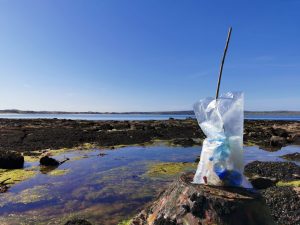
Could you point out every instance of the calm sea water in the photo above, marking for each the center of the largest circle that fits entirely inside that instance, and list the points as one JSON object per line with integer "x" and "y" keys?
{"x": 105, "y": 190}
{"x": 134, "y": 116}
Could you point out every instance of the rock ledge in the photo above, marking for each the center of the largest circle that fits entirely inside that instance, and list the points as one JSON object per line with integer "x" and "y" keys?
{"x": 191, "y": 204}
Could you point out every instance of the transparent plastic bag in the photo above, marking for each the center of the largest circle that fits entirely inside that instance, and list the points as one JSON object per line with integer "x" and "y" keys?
{"x": 222, "y": 121}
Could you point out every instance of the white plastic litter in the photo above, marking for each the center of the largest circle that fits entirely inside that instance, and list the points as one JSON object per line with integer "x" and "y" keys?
{"x": 222, "y": 121}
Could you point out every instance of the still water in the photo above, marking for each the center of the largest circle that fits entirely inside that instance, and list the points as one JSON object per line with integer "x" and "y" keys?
{"x": 134, "y": 116}
{"x": 105, "y": 188}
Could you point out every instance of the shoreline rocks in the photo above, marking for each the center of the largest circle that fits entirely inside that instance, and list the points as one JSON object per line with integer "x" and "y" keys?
{"x": 26, "y": 135}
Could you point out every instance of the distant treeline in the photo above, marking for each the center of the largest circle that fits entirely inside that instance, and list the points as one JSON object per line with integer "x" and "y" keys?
{"x": 187, "y": 112}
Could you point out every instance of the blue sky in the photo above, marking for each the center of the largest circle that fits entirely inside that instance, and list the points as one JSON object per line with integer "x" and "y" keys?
{"x": 149, "y": 55}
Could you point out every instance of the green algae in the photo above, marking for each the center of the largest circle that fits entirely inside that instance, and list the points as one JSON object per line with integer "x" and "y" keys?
{"x": 58, "y": 172}
{"x": 250, "y": 143}
{"x": 30, "y": 195}
{"x": 38, "y": 193}
{"x": 125, "y": 222}
{"x": 169, "y": 169}
{"x": 17, "y": 175}
{"x": 28, "y": 158}
{"x": 295, "y": 183}
{"x": 88, "y": 146}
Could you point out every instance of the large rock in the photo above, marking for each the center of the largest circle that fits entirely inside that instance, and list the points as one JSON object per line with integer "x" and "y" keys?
{"x": 194, "y": 204}
{"x": 47, "y": 161}
{"x": 11, "y": 160}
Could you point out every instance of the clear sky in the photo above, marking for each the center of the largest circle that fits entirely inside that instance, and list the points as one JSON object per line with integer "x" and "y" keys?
{"x": 147, "y": 55}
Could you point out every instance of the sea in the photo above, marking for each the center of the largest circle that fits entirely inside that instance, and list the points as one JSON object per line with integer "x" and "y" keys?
{"x": 137, "y": 116}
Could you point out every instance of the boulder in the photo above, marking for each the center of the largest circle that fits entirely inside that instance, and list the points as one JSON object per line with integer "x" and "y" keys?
{"x": 277, "y": 141}
{"x": 184, "y": 203}
{"x": 47, "y": 161}
{"x": 11, "y": 160}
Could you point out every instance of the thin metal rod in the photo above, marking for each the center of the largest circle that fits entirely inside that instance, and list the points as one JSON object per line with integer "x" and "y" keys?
{"x": 222, "y": 63}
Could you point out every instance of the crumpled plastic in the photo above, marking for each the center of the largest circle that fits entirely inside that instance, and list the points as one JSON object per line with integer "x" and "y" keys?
{"x": 222, "y": 121}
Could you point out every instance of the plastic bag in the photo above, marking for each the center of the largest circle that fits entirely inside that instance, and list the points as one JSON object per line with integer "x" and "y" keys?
{"x": 222, "y": 121}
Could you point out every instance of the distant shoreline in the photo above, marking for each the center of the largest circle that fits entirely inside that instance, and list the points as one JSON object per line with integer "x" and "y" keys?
{"x": 188, "y": 112}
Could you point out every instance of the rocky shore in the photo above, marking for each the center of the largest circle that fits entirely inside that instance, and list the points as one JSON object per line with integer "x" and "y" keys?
{"x": 277, "y": 182}
{"x": 26, "y": 135}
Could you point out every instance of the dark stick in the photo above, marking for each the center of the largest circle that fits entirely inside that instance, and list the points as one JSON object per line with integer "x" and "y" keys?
{"x": 222, "y": 63}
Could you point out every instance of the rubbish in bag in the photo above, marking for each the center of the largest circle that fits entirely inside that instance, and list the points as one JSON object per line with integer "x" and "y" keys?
{"x": 222, "y": 121}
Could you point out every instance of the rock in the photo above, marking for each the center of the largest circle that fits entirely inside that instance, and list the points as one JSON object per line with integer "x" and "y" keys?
{"x": 262, "y": 183}
{"x": 273, "y": 170}
{"x": 78, "y": 222}
{"x": 284, "y": 204}
{"x": 47, "y": 161}
{"x": 280, "y": 132}
{"x": 252, "y": 134}
{"x": 3, "y": 186}
{"x": 102, "y": 154}
{"x": 193, "y": 204}
{"x": 295, "y": 138}
{"x": 293, "y": 156}
{"x": 277, "y": 141}
{"x": 11, "y": 160}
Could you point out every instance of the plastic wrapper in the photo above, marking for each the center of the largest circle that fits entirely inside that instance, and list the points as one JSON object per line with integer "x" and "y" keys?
{"x": 222, "y": 121}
